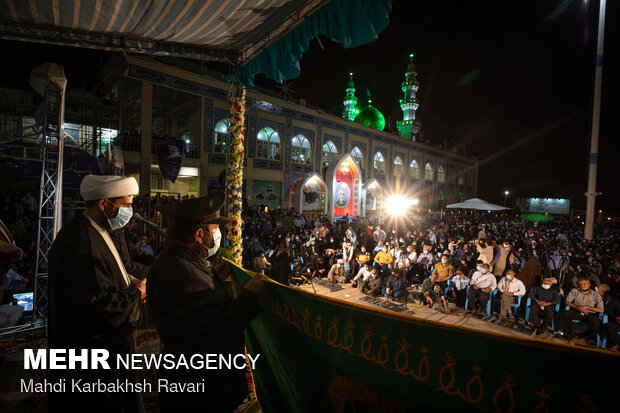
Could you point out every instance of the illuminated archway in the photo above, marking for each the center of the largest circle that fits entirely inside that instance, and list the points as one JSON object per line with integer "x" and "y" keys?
{"x": 344, "y": 183}
{"x": 373, "y": 199}
{"x": 309, "y": 194}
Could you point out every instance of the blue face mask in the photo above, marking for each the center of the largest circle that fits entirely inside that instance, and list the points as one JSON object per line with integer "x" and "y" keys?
{"x": 546, "y": 286}
{"x": 479, "y": 268}
{"x": 122, "y": 218}
{"x": 509, "y": 277}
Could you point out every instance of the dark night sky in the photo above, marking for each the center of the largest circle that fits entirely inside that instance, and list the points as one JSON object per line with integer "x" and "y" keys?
{"x": 510, "y": 81}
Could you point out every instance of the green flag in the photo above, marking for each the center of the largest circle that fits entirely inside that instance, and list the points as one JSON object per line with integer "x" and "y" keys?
{"x": 319, "y": 354}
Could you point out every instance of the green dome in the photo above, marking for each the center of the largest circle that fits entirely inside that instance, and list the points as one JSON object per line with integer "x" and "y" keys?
{"x": 371, "y": 117}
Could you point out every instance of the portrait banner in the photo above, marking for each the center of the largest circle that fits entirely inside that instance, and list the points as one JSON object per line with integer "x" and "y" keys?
{"x": 319, "y": 354}
{"x": 267, "y": 193}
{"x": 169, "y": 157}
{"x": 311, "y": 196}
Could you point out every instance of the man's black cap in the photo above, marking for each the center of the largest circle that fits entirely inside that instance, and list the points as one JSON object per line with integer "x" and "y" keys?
{"x": 204, "y": 209}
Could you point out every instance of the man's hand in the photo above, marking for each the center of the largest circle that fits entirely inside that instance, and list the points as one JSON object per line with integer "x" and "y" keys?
{"x": 256, "y": 286}
{"x": 140, "y": 285}
{"x": 487, "y": 290}
{"x": 223, "y": 270}
{"x": 475, "y": 287}
{"x": 509, "y": 293}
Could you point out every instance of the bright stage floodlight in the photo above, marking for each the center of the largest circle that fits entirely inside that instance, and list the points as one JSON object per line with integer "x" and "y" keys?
{"x": 397, "y": 205}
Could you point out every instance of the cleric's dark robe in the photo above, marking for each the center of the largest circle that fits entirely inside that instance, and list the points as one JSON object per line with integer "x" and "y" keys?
{"x": 195, "y": 314}
{"x": 120, "y": 237}
{"x": 90, "y": 306}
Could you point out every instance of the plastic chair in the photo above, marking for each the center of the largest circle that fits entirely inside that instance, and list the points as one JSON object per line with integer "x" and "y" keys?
{"x": 517, "y": 307}
{"x": 601, "y": 340}
{"x": 556, "y": 312}
{"x": 491, "y": 297}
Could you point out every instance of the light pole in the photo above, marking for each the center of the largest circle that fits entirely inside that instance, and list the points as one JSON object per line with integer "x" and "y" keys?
{"x": 596, "y": 113}
{"x": 505, "y": 197}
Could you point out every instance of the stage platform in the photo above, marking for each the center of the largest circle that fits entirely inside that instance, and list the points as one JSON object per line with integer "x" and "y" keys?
{"x": 413, "y": 308}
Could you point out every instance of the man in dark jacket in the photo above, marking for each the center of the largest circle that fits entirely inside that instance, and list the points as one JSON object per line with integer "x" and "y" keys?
{"x": 193, "y": 309}
{"x": 395, "y": 287}
{"x": 373, "y": 286}
{"x": 94, "y": 304}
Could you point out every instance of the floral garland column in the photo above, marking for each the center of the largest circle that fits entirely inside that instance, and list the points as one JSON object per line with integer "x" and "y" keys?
{"x": 234, "y": 172}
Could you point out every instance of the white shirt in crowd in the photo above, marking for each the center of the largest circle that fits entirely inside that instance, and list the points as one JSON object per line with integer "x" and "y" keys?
{"x": 512, "y": 286}
{"x": 483, "y": 281}
{"x": 364, "y": 273}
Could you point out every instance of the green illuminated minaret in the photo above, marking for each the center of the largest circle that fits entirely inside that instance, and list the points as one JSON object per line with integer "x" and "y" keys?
{"x": 350, "y": 110}
{"x": 409, "y": 127}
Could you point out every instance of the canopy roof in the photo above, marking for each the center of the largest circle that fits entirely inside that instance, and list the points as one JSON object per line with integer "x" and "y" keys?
{"x": 257, "y": 36}
{"x": 477, "y": 203}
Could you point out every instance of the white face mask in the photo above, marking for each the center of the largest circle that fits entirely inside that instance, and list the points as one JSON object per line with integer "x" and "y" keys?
{"x": 217, "y": 238}
{"x": 122, "y": 218}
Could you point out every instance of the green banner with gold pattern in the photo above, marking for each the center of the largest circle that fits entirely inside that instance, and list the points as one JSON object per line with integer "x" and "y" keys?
{"x": 318, "y": 354}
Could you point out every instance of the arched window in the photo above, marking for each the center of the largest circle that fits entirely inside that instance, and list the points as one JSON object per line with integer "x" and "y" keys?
{"x": 398, "y": 166}
{"x": 221, "y": 135}
{"x": 301, "y": 151}
{"x": 429, "y": 172}
{"x": 414, "y": 169}
{"x": 357, "y": 155}
{"x": 268, "y": 144}
{"x": 379, "y": 163}
{"x": 329, "y": 147}
{"x": 441, "y": 174}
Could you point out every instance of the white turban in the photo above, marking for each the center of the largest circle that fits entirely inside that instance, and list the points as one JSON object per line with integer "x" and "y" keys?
{"x": 107, "y": 186}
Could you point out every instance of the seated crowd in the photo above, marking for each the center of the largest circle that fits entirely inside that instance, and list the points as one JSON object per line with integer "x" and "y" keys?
{"x": 499, "y": 270}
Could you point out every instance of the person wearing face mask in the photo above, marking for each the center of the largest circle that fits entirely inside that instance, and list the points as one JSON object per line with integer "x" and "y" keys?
{"x": 544, "y": 299}
{"x": 93, "y": 301}
{"x": 383, "y": 258}
{"x": 336, "y": 273}
{"x": 193, "y": 309}
{"x": 584, "y": 304}
{"x": 363, "y": 256}
{"x": 444, "y": 269}
{"x": 511, "y": 289}
{"x": 482, "y": 284}
{"x": 504, "y": 259}
{"x": 426, "y": 258}
{"x": 458, "y": 287}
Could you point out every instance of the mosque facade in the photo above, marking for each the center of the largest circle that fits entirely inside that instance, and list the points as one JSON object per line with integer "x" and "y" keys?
{"x": 296, "y": 156}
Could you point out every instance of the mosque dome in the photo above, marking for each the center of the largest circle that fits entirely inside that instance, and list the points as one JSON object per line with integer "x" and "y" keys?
{"x": 371, "y": 117}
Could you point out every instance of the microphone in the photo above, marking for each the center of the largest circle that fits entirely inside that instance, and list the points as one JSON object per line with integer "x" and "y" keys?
{"x": 149, "y": 223}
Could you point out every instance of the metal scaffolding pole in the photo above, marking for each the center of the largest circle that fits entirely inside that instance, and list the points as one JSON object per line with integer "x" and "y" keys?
{"x": 50, "y": 200}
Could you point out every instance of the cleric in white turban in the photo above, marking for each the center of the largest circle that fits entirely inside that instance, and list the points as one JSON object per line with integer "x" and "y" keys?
{"x": 94, "y": 300}
{"x": 107, "y": 186}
